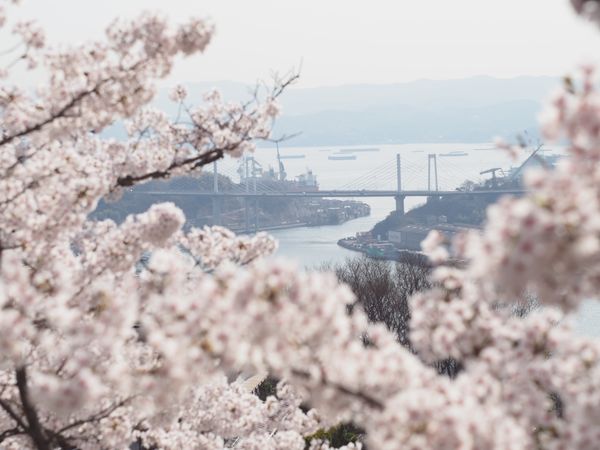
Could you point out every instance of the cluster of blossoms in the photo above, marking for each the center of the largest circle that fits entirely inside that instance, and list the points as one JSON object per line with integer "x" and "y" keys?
{"x": 534, "y": 370}
{"x": 114, "y": 335}
{"x": 588, "y": 8}
{"x": 236, "y": 418}
{"x": 213, "y": 245}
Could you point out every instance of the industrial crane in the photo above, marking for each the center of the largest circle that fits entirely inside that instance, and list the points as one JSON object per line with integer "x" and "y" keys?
{"x": 493, "y": 172}
{"x": 282, "y": 173}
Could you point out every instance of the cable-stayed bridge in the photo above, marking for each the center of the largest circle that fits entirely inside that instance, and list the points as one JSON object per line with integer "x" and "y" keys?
{"x": 396, "y": 178}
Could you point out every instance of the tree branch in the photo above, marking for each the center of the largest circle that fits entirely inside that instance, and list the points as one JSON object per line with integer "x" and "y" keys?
{"x": 35, "y": 429}
{"x": 96, "y": 417}
{"x": 62, "y": 112}
{"x": 6, "y": 407}
{"x": 10, "y": 433}
{"x": 196, "y": 161}
{"x": 370, "y": 401}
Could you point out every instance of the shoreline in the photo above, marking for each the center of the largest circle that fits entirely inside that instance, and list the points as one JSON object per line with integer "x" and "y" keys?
{"x": 271, "y": 228}
{"x": 397, "y": 255}
{"x": 288, "y": 226}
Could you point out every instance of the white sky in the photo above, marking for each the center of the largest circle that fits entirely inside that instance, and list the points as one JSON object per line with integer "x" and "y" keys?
{"x": 354, "y": 41}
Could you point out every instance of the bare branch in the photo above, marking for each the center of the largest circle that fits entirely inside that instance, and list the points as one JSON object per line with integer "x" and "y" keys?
{"x": 283, "y": 137}
{"x": 11, "y": 49}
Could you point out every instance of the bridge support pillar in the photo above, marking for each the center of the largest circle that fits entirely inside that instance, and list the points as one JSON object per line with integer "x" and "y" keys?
{"x": 399, "y": 205}
{"x": 247, "y": 214}
{"x": 255, "y": 214}
{"x": 216, "y": 207}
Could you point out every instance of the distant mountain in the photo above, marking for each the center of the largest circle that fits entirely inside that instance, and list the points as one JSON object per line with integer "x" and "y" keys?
{"x": 427, "y": 94}
{"x": 466, "y": 110}
{"x": 408, "y": 124}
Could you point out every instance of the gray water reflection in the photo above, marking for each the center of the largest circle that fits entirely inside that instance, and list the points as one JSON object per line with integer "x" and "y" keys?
{"x": 313, "y": 246}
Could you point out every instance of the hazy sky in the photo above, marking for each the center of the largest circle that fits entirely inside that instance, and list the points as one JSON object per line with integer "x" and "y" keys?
{"x": 355, "y": 41}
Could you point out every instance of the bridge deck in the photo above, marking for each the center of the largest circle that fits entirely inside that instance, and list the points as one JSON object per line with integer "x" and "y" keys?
{"x": 333, "y": 193}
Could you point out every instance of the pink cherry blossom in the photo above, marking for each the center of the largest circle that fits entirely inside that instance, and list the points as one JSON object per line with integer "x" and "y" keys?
{"x": 145, "y": 333}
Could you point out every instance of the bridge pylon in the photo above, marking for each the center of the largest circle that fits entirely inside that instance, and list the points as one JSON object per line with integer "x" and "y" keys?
{"x": 399, "y": 204}
{"x": 216, "y": 201}
{"x": 399, "y": 197}
{"x": 216, "y": 207}
{"x": 256, "y": 211}
{"x": 432, "y": 157}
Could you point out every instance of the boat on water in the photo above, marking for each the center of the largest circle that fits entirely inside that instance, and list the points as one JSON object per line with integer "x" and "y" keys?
{"x": 358, "y": 150}
{"x": 341, "y": 157}
{"x": 456, "y": 153}
{"x": 293, "y": 156}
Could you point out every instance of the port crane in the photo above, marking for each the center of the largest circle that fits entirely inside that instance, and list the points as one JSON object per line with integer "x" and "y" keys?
{"x": 282, "y": 174}
{"x": 493, "y": 172}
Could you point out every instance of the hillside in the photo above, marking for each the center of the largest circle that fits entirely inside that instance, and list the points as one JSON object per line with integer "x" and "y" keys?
{"x": 464, "y": 210}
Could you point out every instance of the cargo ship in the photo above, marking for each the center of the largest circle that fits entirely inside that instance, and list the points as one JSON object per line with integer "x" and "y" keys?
{"x": 454, "y": 154}
{"x": 339, "y": 157}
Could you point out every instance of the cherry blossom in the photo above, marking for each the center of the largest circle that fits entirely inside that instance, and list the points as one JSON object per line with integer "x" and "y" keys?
{"x": 143, "y": 333}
